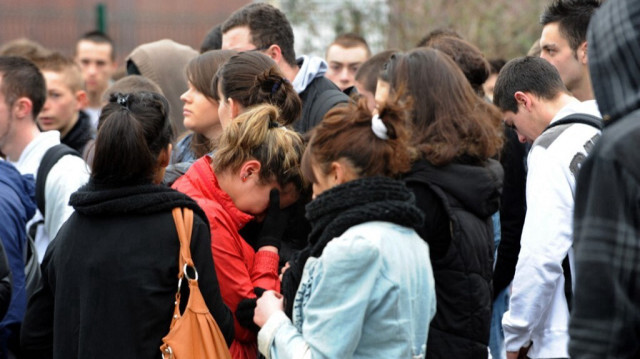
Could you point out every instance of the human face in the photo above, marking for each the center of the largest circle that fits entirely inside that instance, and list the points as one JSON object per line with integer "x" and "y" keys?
{"x": 343, "y": 64}
{"x": 371, "y": 97}
{"x": 522, "y": 124}
{"x": 555, "y": 49}
{"x": 60, "y": 110}
{"x": 6, "y": 121}
{"x": 489, "y": 85}
{"x": 200, "y": 113}
{"x": 382, "y": 93}
{"x": 254, "y": 198}
{"x": 238, "y": 38}
{"x": 97, "y": 66}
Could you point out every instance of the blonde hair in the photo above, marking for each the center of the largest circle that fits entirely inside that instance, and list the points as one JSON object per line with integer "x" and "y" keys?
{"x": 256, "y": 134}
{"x": 66, "y": 67}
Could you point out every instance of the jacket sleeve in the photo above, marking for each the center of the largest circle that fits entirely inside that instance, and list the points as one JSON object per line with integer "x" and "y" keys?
{"x": 343, "y": 278}
{"x": 512, "y": 211}
{"x": 5, "y": 282}
{"x": 237, "y": 279}
{"x": 546, "y": 239}
{"x": 605, "y": 321}
{"x": 36, "y": 334}
{"x": 208, "y": 280}
{"x": 68, "y": 174}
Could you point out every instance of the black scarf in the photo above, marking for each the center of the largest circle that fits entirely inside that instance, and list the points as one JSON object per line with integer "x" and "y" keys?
{"x": 344, "y": 206}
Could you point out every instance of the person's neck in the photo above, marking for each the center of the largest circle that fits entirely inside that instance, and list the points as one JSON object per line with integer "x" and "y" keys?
{"x": 290, "y": 72}
{"x": 95, "y": 100}
{"x": 21, "y": 138}
{"x": 214, "y": 132}
{"x": 584, "y": 93}
{"x": 552, "y": 108}
{"x": 226, "y": 183}
{"x": 72, "y": 124}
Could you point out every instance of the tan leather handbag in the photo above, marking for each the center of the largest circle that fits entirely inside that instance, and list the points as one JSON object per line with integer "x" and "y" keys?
{"x": 193, "y": 334}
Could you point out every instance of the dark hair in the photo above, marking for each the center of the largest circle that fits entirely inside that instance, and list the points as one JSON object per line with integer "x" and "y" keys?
{"x": 434, "y": 34}
{"x": 468, "y": 57}
{"x": 201, "y": 72}
{"x": 133, "y": 129}
{"x": 496, "y": 65}
{"x": 21, "y": 78}
{"x": 573, "y": 18}
{"x": 99, "y": 37}
{"x": 253, "y": 78}
{"x": 212, "y": 40}
{"x": 369, "y": 70}
{"x": 449, "y": 120}
{"x": 345, "y": 133}
{"x": 351, "y": 40}
{"x": 267, "y": 25}
{"x": 527, "y": 74}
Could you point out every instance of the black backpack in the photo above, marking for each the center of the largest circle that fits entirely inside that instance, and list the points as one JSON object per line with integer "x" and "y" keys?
{"x": 31, "y": 265}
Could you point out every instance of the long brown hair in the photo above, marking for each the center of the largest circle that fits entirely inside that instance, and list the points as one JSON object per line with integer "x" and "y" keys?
{"x": 201, "y": 71}
{"x": 449, "y": 120}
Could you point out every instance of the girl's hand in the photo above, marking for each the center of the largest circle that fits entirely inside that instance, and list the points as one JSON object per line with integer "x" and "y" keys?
{"x": 269, "y": 303}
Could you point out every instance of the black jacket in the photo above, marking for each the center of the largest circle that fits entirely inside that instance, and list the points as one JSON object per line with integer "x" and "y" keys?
{"x": 80, "y": 134}
{"x": 315, "y": 105}
{"x": 460, "y": 199}
{"x": 110, "y": 276}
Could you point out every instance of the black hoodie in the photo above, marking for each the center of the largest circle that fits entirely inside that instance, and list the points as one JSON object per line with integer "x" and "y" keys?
{"x": 458, "y": 201}
{"x": 605, "y": 321}
{"x": 110, "y": 276}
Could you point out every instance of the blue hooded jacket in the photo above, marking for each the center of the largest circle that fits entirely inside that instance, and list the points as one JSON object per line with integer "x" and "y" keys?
{"x": 17, "y": 206}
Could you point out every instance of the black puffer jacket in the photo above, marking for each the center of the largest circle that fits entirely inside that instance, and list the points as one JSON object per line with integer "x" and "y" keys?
{"x": 110, "y": 276}
{"x": 461, "y": 199}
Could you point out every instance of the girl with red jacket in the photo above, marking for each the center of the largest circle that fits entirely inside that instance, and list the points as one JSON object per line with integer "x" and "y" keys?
{"x": 248, "y": 176}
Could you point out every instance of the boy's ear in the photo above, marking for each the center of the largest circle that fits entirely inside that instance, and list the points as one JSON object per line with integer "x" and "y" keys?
{"x": 82, "y": 99}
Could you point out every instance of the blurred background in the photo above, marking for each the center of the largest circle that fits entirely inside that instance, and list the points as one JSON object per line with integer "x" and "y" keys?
{"x": 500, "y": 28}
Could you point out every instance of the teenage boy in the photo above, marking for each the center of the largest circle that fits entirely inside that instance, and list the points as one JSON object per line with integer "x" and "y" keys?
{"x": 562, "y": 130}
{"x": 62, "y": 111}
{"x": 262, "y": 27}
{"x": 564, "y": 43}
{"x": 96, "y": 56}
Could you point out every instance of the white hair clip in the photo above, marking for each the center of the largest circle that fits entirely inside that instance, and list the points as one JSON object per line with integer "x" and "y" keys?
{"x": 378, "y": 127}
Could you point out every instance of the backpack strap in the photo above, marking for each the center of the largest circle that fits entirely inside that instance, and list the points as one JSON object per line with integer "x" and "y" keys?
{"x": 595, "y": 122}
{"x": 582, "y": 118}
{"x": 50, "y": 158}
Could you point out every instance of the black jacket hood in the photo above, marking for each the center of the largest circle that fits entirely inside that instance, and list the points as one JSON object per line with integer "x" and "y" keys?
{"x": 614, "y": 58}
{"x": 477, "y": 188}
{"x": 95, "y": 200}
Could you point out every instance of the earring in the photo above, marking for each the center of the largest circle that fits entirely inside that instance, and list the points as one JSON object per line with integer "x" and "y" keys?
{"x": 244, "y": 178}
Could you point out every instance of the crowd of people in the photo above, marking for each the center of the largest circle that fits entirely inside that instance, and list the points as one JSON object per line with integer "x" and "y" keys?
{"x": 429, "y": 203}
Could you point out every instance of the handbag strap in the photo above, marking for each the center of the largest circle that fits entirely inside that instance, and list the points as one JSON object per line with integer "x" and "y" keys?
{"x": 183, "y": 219}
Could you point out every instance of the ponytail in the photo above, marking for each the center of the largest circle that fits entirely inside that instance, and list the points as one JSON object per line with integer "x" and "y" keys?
{"x": 257, "y": 134}
{"x": 374, "y": 145}
{"x": 253, "y": 78}
{"x": 132, "y": 131}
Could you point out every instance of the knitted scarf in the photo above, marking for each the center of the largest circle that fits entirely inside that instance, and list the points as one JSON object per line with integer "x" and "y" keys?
{"x": 344, "y": 206}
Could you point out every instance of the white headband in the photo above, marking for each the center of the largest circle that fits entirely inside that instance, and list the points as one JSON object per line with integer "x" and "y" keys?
{"x": 378, "y": 127}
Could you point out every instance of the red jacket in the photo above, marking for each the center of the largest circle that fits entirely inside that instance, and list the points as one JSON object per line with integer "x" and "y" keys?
{"x": 238, "y": 266}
